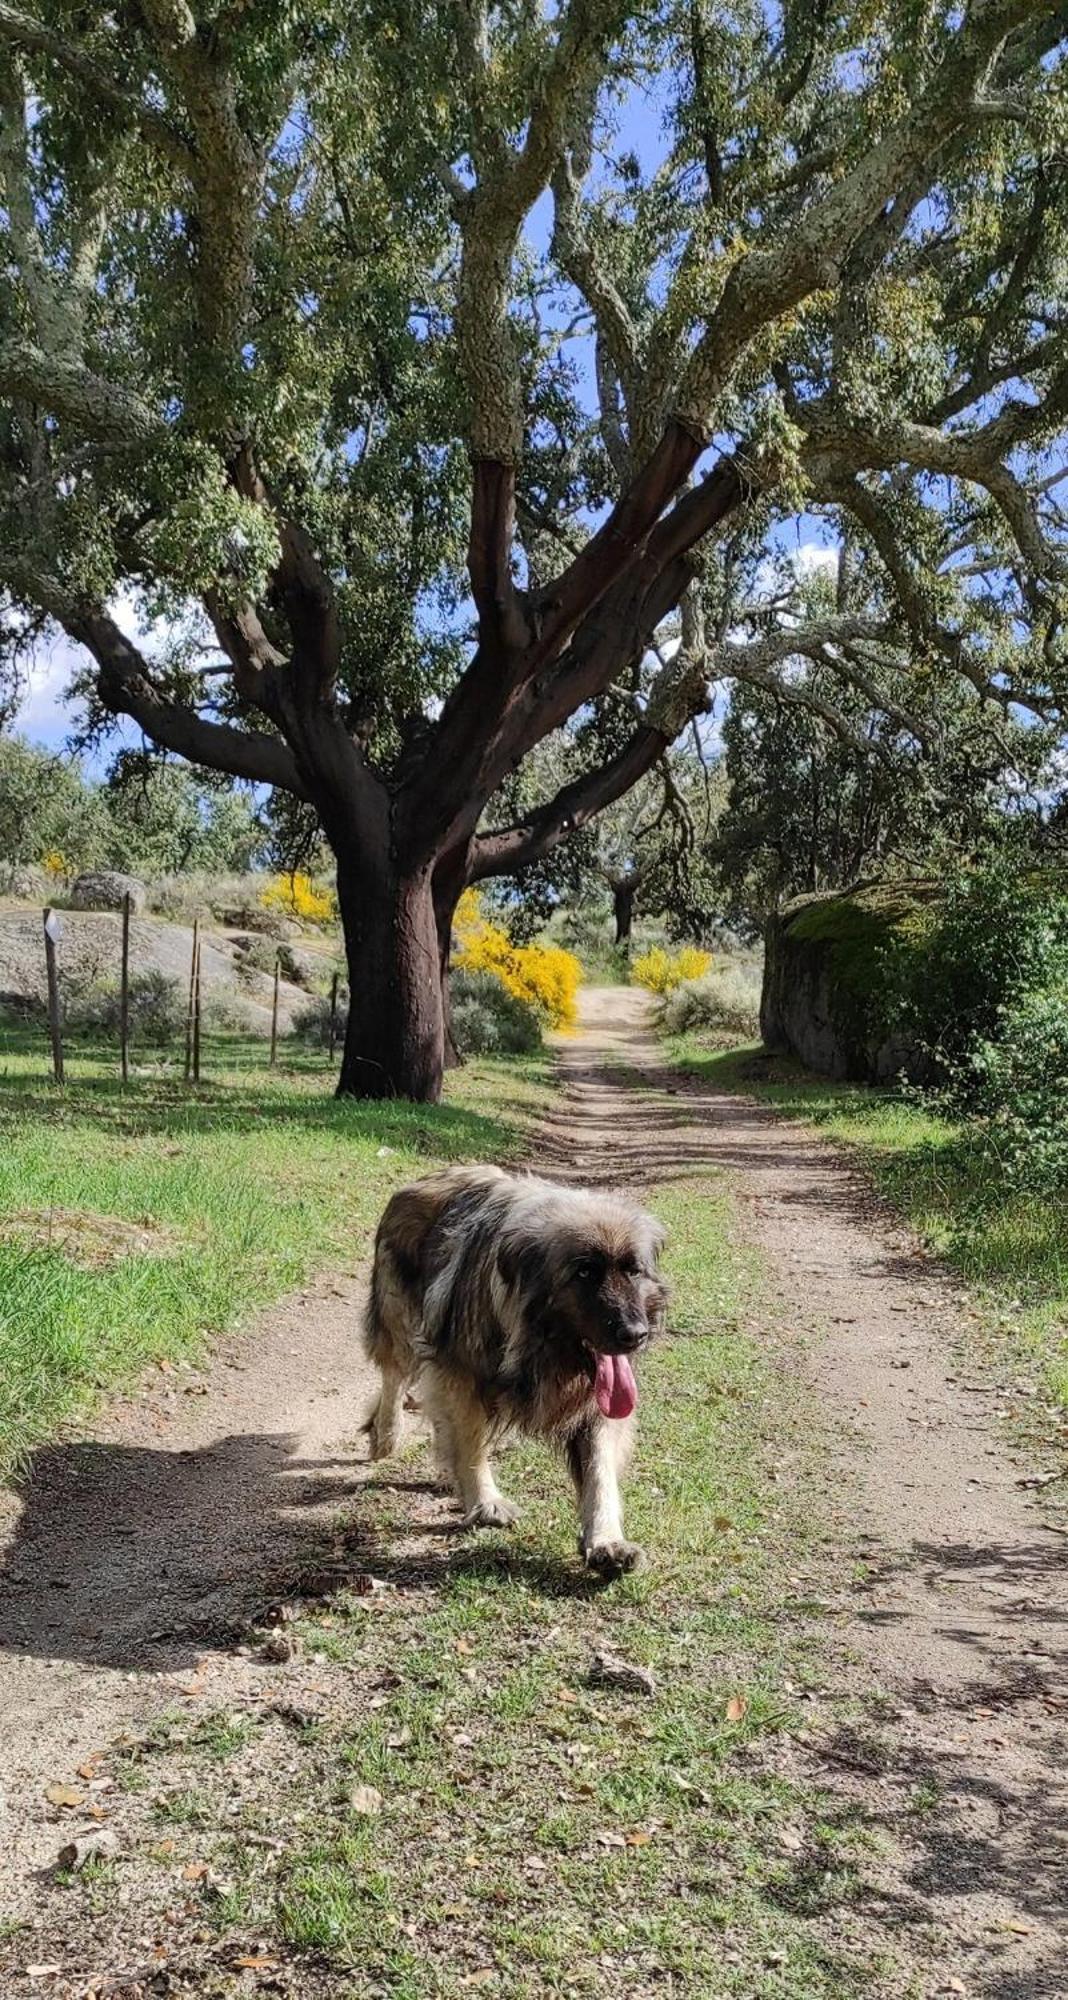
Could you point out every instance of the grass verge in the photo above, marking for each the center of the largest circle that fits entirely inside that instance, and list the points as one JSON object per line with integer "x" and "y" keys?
{"x": 136, "y": 1222}
{"x": 1012, "y": 1248}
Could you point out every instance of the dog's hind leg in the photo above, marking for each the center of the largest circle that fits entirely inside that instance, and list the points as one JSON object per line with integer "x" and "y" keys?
{"x": 597, "y": 1454}
{"x": 386, "y": 1421}
{"x": 462, "y": 1434}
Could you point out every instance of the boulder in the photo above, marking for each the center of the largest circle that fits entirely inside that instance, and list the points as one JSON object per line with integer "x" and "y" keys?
{"x": 829, "y": 967}
{"x": 106, "y": 889}
{"x": 26, "y": 883}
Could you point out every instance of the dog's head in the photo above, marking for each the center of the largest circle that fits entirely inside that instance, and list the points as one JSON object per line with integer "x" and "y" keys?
{"x": 587, "y": 1266}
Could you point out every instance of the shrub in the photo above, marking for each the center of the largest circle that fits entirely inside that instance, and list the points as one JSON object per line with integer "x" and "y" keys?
{"x": 545, "y": 977}
{"x": 725, "y": 1002}
{"x": 157, "y": 1008}
{"x": 661, "y": 971}
{"x": 488, "y": 1019}
{"x": 254, "y": 956}
{"x": 311, "y": 1023}
{"x": 227, "y": 1014}
{"x": 298, "y": 896}
{"x": 1020, "y": 1087}
{"x": 997, "y": 936}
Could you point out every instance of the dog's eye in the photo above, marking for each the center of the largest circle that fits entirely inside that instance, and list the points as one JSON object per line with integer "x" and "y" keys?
{"x": 588, "y": 1271}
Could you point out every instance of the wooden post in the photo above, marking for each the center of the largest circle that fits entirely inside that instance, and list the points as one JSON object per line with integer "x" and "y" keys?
{"x": 196, "y": 1008}
{"x": 124, "y": 995}
{"x": 274, "y": 1007}
{"x": 193, "y": 967}
{"x": 333, "y": 1014}
{"x": 52, "y": 932}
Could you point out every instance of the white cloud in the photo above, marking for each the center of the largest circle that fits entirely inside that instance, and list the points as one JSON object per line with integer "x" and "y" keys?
{"x": 812, "y": 558}
{"x": 44, "y": 715}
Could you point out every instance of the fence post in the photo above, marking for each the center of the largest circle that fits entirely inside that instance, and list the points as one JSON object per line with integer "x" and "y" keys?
{"x": 53, "y": 930}
{"x": 196, "y": 1008}
{"x": 191, "y": 1009}
{"x": 124, "y": 997}
{"x": 274, "y": 1006}
{"x": 333, "y": 1014}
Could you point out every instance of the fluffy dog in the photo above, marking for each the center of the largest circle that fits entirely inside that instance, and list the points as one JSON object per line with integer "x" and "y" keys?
{"x": 517, "y": 1303}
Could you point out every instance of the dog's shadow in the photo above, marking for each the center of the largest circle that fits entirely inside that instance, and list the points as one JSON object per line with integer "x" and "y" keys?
{"x": 129, "y": 1557}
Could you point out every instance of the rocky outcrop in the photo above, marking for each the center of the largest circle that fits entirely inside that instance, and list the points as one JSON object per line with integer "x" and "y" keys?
{"x": 107, "y": 889}
{"x": 831, "y": 963}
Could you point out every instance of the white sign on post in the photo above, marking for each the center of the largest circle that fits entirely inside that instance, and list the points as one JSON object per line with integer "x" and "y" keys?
{"x": 53, "y": 927}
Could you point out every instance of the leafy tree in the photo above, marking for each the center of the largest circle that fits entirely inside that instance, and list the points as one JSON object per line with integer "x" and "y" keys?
{"x": 46, "y": 807}
{"x": 806, "y": 812}
{"x": 164, "y": 820}
{"x": 281, "y": 341}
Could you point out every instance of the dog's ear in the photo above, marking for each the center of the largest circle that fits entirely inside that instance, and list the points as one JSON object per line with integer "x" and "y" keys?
{"x": 658, "y": 1236}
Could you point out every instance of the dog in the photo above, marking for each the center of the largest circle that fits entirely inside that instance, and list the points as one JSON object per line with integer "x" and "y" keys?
{"x": 517, "y": 1304}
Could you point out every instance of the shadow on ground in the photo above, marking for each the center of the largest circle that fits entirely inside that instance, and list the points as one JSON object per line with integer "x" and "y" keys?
{"x": 190, "y": 1548}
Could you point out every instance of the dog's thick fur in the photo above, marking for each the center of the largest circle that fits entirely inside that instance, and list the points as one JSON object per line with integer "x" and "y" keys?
{"x": 499, "y": 1292}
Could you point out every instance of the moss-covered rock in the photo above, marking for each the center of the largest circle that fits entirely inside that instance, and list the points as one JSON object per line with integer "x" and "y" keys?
{"x": 834, "y": 970}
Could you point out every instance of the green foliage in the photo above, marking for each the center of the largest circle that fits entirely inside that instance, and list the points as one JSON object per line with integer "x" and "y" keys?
{"x": 1018, "y": 1084}
{"x": 47, "y": 805}
{"x": 997, "y": 935}
{"x": 165, "y": 819}
{"x": 724, "y": 1004}
{"x": 807, "y": 812}
{"x": 157, "y": 1005}
{"x": 150, "y": 817}
{"x": 489, "y": 1020}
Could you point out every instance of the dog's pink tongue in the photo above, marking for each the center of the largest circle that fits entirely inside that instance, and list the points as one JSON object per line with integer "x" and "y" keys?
{"x": 614, "y": 1385}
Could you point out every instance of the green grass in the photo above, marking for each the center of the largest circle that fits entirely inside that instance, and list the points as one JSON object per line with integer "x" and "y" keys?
{"x": 234, "y": 1192}
{"x": 1011, "y": 1247}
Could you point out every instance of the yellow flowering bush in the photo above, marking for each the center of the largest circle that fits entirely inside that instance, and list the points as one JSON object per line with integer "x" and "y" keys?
{"x": 661, "y": 971}
{"x": 56, "y": 864}
{"x": 545, "y": 976}
{"x": 297, "y": 896}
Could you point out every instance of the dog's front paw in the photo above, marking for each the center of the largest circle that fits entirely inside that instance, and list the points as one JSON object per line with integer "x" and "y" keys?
{"x": 613, "y": 1558}
{"x": 383, "y": 1443}
{"x": 496, "y": 1513}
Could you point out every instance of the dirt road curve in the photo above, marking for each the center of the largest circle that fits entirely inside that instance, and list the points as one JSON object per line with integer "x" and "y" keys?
{"x": 131, "y": 1552}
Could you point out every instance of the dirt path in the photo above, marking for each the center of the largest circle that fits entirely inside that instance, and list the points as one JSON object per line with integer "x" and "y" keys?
{"x": 133, "y": 1557}
{"x": 132, "y": 1554}
{"x": 953, "y": 1603}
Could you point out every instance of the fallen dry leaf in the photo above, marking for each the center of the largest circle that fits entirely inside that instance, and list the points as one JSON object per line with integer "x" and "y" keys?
{"x": 257, "y": 1962}
{"x": 737, "y": 1708}
{"x": 94, "y": 1845}
{"x": 639, "y": 1838}
{"x": 64, "y": 1795}
{"x": 610, "y": 1840}
{"x": 194, "y": 1871}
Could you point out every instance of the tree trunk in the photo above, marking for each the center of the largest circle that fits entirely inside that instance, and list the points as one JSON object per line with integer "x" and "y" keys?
{"x": 449, "y": 882}
{"x": 623, "y": 894}
{"x": 395, "y": 1040}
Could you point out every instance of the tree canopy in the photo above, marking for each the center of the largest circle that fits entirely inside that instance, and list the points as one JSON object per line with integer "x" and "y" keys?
{"x": 444, "y": 372}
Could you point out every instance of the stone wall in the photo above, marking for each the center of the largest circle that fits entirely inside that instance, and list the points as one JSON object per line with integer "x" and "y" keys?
{"x": 831, "y": 967}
